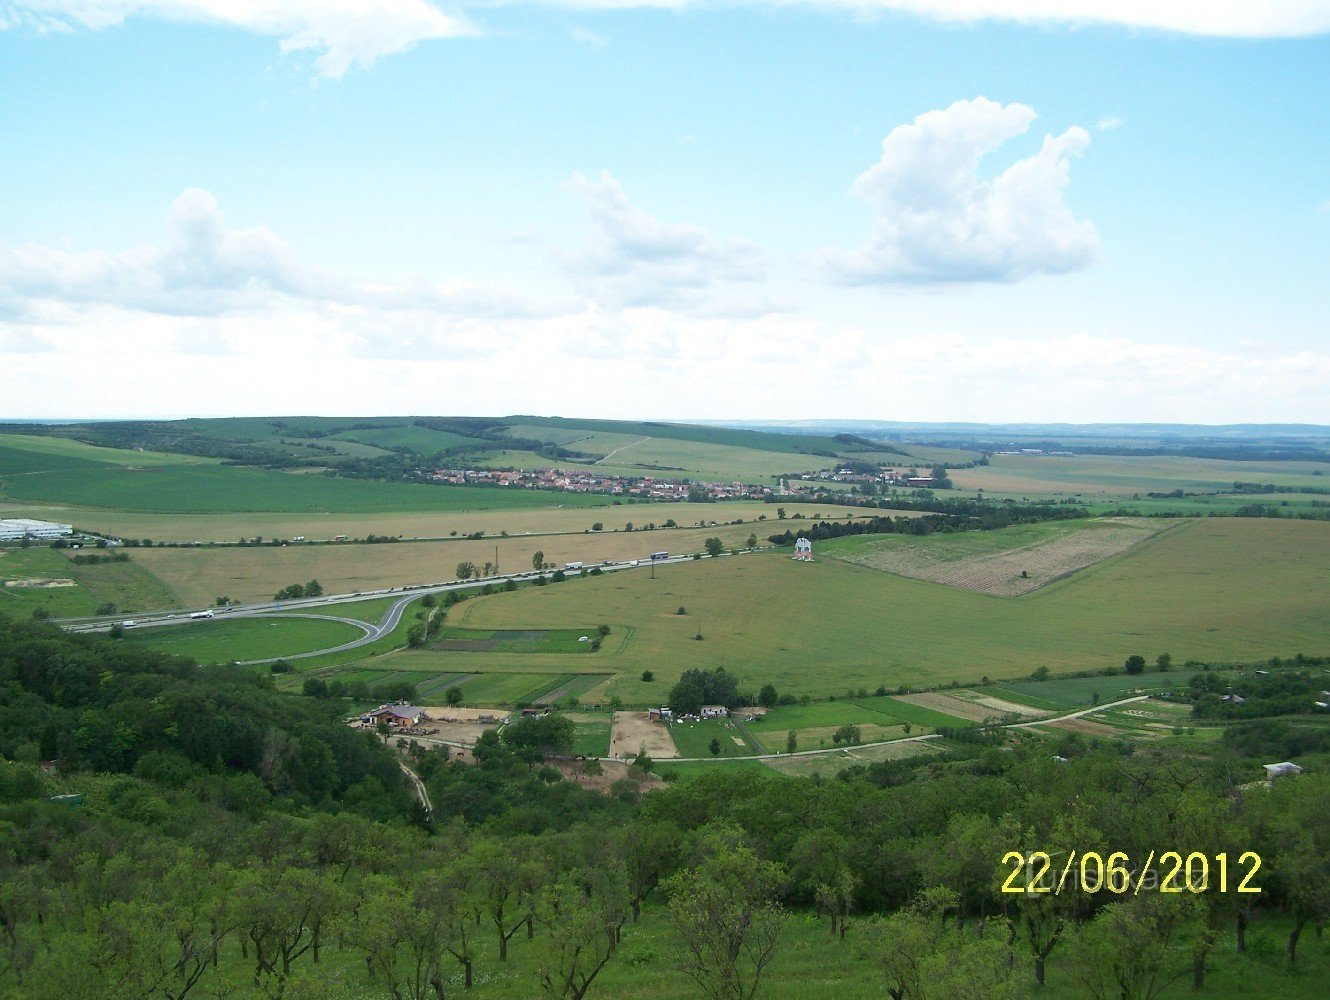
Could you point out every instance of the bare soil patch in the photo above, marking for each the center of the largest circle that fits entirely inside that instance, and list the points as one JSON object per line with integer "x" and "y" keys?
{"x": 949, "y": 705}
{"x": 633, "y": 732}
{"x": 1000, "y": 573}
{"x": 1086, "y": 727}
{"x": 40, "y": 583}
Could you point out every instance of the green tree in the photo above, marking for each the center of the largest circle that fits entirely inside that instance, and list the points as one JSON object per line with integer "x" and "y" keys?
{"x": 791, "y": 742}
{"x": 1135, "y": 664}
{"x": 538, "y": 560}
{"x": 582, "y": 935}
{"x": 453, "y": 696}
{"x": 714, "y": 546}
{"x": 752, "y": 541}
{"x": 1136, "y": 949}
{"x": 723, "y": 915}
{"x": 466, "y": 570}
{"x": 767, "y": 696}
{"x": 1164, "y": 662}
{"x": 714, "y": 747}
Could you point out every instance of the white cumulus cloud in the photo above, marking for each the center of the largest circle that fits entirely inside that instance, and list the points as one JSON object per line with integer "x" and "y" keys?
{"x": 344, "y": 33}
{"x": 1217, "y": 18}
{"x": 206, "y": 267}
{"x": 634, "y": 259}
{"x": 938, "y": 220}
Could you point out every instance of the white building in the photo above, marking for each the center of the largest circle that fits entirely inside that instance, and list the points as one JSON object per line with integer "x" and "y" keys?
{"x": 15, "y": 529}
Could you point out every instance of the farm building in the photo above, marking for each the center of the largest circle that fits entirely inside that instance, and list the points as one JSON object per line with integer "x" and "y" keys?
{"x": 714, "y": 712}
{"x": 1274, "y": 771}
{"x": 394, "y": 715}
{"x": 662, "y": 714}
{"x": 15, "y": 529}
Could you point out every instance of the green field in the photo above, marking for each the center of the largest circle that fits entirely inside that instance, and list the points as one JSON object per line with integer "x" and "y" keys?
{"x": 1221, "y": 590}
{"x": 222, "y": 640}
{"x": 484, "y": 690}
{"x": 126, "y": 585}
{"x": 591, "y": 734}
{"x": 564, "y": 640}
{"x": 694, "y": 738}
{"x": 1076, "y": 692}
{"x": 216, "y": 488}
{"x": 422, "y": 440}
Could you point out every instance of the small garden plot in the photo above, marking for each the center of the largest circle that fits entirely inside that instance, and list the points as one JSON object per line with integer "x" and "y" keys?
{"x": 918, "y": 714}
{"x": 501, "y": 688}
{"x": 573, "y": 687}
{"x": 1088, "y": 727}
{"x": 434, "y": 688}
{"x": 949, "y": 705}
{"x": 824, "y": 737}
{"x": 1000, "y": 705}
{"x": 694, "y": 739}
{"x": 474, "y": 640}
{"x": 591, "y": 734}
{"x": 1023, "y": 698}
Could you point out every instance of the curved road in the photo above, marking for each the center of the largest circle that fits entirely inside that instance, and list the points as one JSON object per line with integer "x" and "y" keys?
{"x": 298, "y": 608}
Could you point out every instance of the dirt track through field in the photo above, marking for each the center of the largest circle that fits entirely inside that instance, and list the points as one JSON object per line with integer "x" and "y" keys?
{"x": 1000, "y": 573}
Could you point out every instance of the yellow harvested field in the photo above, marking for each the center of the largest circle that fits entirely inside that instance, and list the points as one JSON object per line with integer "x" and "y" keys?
{"x": 199, "y": 575}
{"x": 409, "y": 525}
{"x": 1012, "y": 572}
{"x": 633, "y": 732}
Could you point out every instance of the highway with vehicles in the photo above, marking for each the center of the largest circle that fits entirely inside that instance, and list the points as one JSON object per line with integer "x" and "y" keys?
{"x": 308, "y": 607}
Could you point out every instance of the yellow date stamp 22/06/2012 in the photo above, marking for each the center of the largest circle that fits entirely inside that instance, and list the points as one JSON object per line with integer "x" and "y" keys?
{"x": 1093, "y": 871}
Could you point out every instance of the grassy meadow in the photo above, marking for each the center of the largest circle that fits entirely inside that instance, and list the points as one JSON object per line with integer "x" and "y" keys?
{"x": 220, "y": 640}
{"x": 126, "y": 585}
{"x": 1213, "y": 589}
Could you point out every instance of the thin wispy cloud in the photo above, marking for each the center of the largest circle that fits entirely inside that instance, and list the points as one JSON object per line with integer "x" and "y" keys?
{"x": 347, "y": 34}
{"x": 937, "y": 220}
{"x": 342, "y": 33}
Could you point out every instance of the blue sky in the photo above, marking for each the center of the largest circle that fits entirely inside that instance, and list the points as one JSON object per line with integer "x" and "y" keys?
{"x": 711, "y": 211}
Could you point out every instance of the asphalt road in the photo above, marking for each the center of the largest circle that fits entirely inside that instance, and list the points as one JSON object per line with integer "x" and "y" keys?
{"x": 307, "y": 607}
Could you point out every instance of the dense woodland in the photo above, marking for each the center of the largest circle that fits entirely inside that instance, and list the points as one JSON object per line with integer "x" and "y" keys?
{"x": 234, "y": 840}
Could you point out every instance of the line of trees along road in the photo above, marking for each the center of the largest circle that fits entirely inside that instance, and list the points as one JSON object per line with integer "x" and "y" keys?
{"x": 232, "y": 835}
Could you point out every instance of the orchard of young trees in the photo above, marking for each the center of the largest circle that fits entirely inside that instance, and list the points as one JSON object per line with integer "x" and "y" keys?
{"x": 231, "y": 840}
